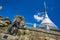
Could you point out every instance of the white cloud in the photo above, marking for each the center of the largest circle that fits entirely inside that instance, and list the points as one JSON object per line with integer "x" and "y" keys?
{"x": 0, "y": 7}
{"x": 38, "y": 17}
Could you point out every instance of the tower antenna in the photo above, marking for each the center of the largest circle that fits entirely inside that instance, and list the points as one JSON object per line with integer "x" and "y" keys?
{"x": 45, "y": 9}
{"x": 45, "y": 6}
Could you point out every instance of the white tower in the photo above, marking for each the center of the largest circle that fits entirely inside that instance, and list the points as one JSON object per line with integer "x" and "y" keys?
{"x": 46, "y": 22}
{"x": 34, "y": 25}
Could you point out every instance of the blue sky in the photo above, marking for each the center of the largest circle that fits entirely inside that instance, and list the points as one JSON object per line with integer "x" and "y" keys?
{"x": 28, "y": 8}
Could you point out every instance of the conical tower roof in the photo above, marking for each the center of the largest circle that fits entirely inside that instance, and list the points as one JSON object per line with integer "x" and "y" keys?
{"x": 46, "y": 19}
{"x": 46, "y": 22}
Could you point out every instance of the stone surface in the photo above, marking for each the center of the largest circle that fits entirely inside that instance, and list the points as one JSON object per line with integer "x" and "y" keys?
{"x": 7, "y": 37}
{"x": 32, "y": 34}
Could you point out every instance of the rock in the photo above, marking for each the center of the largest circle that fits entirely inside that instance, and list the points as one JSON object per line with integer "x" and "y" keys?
{"x": 8, "y": 37}
{"x": 23, "y": 37}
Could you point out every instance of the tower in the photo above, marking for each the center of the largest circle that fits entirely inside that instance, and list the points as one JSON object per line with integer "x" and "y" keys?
{"x": 46, "y": 22}
{"x": 34, "y": 25}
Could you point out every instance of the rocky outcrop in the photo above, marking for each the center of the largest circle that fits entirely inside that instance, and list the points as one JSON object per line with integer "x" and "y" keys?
{"x": 27, "y": 33}
{"x": 32, "y": 34}
{"x": 4, "y": 21}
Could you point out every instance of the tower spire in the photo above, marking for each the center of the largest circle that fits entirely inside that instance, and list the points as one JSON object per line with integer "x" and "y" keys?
{"x": 45, "y": 10}
{"x": 44, "y": 7}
